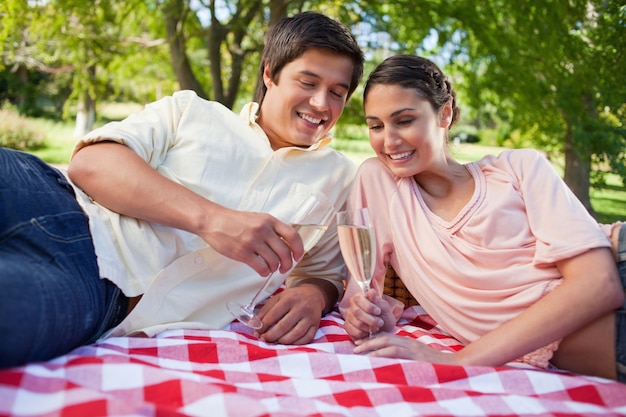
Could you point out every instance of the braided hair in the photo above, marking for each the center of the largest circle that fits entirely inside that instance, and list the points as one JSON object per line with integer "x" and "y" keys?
{"x": 419, "y": 74}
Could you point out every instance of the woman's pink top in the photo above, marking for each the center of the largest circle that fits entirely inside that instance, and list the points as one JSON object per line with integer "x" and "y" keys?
{"x": 495, "y": 258}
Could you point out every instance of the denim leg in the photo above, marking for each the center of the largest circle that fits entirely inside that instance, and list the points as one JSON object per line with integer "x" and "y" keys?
{"x": 620, "y": 314}
{"x": 52, "y": 298}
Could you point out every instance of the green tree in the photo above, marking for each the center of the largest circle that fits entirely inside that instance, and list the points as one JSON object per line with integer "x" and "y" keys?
{"x": 24, "y": 66}
{"x": 556, "y": 74}
{"x": 93, "y": 41}
{"x": 232, "y": 34}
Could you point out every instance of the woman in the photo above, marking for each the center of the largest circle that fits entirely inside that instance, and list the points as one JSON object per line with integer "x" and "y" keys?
{"x": 498, "y": 251}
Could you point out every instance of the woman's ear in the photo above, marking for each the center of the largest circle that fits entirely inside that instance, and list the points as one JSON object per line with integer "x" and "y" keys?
{"x": 446, "y": 115}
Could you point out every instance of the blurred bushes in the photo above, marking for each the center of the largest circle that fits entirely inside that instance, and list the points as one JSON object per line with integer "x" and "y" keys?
{"x": 15, "y": 132}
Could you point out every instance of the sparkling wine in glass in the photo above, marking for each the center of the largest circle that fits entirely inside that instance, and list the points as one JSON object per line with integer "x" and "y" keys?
{"x": 310, "y": 221}
{"x": 358, "y": 245}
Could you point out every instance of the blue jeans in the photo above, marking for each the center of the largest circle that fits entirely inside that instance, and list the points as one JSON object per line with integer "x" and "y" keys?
{"x": 52, "y": 299}
{"x": 620, "y": 314}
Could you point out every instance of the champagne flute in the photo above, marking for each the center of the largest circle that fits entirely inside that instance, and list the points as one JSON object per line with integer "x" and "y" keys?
{"x": 358, "y": 246}
{"x": 310, "y": 221}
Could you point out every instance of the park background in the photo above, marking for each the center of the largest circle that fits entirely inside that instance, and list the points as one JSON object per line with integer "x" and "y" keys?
{"x": 546, "y": 74}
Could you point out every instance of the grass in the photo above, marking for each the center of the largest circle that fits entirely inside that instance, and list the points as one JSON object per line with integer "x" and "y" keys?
{"x": 59, "y": 136}
{"x": 59, "y": 141}
{"x": 609, "y": 201}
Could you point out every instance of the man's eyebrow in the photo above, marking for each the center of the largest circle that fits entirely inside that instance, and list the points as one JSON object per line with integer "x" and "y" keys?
{"x": 314, "y": 75}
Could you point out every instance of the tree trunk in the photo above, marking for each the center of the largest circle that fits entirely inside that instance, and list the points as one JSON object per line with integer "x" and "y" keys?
{"x": 238, "y": 52}
{"x": 22, "y": 75}
{"x": 577, "y": 171}
{"x": 86, "y": 109}
{"x": 85, "y": 115}
{"x": 216, "y": 35}
{"x": 236, "y": 32}
{"x": 278, "y": 10}
{"x": 175, "y": 11}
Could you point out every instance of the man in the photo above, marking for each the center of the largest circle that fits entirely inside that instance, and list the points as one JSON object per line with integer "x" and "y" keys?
{"x": 183, "y": 202}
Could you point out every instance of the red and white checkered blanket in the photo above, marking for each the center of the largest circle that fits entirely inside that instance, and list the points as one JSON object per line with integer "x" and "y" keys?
{"x": 230, "y": 373}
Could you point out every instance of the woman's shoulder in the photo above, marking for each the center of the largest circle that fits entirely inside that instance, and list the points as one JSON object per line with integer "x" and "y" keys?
{"x": 515, "y": 156}
{"x": 515, "y": 160}
{"x": 372, "y": 171}
{"x": 373, "y": 167}
{"x": 374, "y": 179}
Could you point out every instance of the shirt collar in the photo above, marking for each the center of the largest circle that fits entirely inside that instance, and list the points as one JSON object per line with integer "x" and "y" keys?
{"x": 249, "y": 114}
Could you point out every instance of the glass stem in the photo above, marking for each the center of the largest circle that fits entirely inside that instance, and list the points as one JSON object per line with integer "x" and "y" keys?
{"x": 252, "y": 304}
{"x": 366, "y": 288}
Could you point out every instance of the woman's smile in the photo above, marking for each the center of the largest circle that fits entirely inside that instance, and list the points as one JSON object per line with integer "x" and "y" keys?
{"x": 401, "y": 156}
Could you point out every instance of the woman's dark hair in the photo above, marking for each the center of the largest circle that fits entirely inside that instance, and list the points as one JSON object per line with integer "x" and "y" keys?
{"x": 419, "y": 74}
{"x": 293, "y": 36}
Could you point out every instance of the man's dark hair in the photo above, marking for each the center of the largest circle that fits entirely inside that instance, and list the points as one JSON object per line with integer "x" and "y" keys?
{"x": 291, "y": 37}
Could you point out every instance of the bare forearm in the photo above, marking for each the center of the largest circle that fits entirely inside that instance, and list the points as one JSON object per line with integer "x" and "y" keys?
{"x": 115, "y": 177}
{"x": 590, "y": 290}
{"x": 326, "y": 289}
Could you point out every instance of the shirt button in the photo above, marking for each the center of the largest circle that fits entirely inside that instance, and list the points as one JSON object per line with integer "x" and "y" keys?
{"x": 198, "y": 260}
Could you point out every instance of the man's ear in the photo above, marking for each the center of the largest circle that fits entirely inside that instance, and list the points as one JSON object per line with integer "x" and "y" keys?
{"x": 267, "y": 77}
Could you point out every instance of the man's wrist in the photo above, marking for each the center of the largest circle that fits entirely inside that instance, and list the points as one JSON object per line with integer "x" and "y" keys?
{"x": 327, "y": 289}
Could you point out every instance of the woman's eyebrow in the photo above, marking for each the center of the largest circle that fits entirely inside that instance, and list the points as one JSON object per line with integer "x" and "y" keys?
{"x": 395, "y": 113}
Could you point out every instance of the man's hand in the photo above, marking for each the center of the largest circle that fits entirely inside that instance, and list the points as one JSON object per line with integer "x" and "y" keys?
{"x": 292, "y": 316}
{"x": 257, "y": 239}
{"x": 117, "y": 178}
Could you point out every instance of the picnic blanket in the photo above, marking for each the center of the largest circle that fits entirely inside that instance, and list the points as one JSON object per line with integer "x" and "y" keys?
{"x": 229, "y": 372}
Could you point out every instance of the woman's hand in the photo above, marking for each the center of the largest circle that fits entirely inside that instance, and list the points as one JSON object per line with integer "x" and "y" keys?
{"x": 614, "y": 237}
{"x": 403, "y": 347}
{"x": 368, "y": 314}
